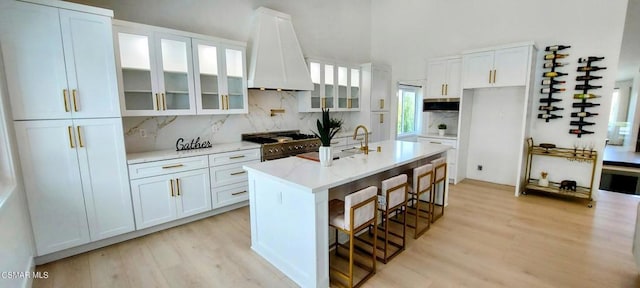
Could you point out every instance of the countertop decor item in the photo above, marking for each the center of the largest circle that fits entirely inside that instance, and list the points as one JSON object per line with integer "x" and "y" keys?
{"x": 326, "y": 130}
{"x": 442, "y": 128}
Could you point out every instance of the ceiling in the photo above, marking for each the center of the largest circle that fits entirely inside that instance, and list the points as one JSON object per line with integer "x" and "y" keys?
{"x": 630, "y": 52}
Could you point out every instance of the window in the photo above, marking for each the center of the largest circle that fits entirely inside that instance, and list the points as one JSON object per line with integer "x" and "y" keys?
{"x": 407, "y": 97}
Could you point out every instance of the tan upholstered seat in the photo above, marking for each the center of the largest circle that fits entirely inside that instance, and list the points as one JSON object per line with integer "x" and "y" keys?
{"x": 439, "y": 187}
{"x": 361, "y": 207}
{"x": 420, "y": 204}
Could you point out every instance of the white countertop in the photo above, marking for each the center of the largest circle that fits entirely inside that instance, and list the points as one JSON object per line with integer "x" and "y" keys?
{"x": 446, "y": 136}
{"x": 308, "y": 174}
{"x": 134, "y": 158}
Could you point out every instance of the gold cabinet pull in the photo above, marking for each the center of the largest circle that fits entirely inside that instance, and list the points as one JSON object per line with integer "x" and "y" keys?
{"x": 236, "y": 157}
{"x": 446, "y": 89}
{"x": 324, "y": 102}
{"x": 381, "y": 118}
{"x": 64, "y": 97}
{"x": 490, "y": 71}
{"x": 157, "y": 102}
{"x": 349, "y": 103}
{"x": 171, "y": 187}
{"x": 178, "y": 186}
{"x": 164, "y": 101}
{"x": 381, "y": 103}
{"x": 79, "y": 137}
{"x": 224, "y": 102}
{"x": 74, "y": 93}
{"x": 238, "y": 173}
{"x": 172, "y": 166}
{"x": 494, "y": 75}
{"x": 238, "y": 193}
{"x": 227, "y": 100}
{"x": 70, "y": 137}
{"x": 441, "y": 89}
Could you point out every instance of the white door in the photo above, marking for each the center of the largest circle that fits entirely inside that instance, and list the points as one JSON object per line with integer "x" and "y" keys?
{"x": 477, "y": 70}
{"x": 91, "y": 71}
{"x": 436, "y": 79}
{"x": 380, "y": 89}
{"x": 175, "y": 75}
{"x": 379, "y": 127}
{"x": 234, "y": 78}
{"x": 454, "y": 74}
{"x": 137, "y": 72}
{"x": 105, "y": 180}
{"x": 52, "y": 183}
{"x": 193, "y": 192}
{"x": 511, "y": 66}
{"x": 207, "y": 72}
{"x": 34, "y": 61}
{"x": 153, "y": 200}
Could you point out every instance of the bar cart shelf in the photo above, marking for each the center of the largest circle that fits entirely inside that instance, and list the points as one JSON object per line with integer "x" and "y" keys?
{"x": 579, "y": 155}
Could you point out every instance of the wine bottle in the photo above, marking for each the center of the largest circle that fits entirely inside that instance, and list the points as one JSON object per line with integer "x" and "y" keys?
{"x": 555, "y": 56}
{"x": 548, "y": 116}
{"x": 588, "y": 77}
{"x": 585, "y": 96}
{"x": 553, "y": 74}
{"x": 551, "y": 90}
{"x": 590, "y": 68}
{"x": 584, "y": 105}
{"x": 556, "y": 48}
{"x": 589, "y": 59}
{"x": 581, "y": 123}
{"x": 580, "y": 131}
{"x": 587, "y": 87}
{"x": 551, "y": 64}
{"x": 552, "y": 81}
{"x": 583, "y": 114}
{"x": 549, "y": 100}
{"x": 550, "y": 108}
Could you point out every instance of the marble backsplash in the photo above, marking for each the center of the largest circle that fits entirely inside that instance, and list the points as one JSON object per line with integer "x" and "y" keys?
{"x": 143, "y": 134}
{"x": 431, "y": 120}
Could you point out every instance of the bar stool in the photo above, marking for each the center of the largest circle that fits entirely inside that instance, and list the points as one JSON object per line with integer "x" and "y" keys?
{"x": 439, "y": 186}
{"x": 393, "y": 199}
{"x": 360, "y": 208}
{"x": 421, "y": 199}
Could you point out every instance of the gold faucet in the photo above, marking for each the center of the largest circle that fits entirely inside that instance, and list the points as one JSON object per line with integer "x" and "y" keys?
{"x": 364, "y": 148}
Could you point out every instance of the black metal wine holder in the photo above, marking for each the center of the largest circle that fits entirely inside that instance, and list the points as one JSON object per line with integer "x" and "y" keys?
{"x": 547, "y": 103}
{"x": 583, "y": 104}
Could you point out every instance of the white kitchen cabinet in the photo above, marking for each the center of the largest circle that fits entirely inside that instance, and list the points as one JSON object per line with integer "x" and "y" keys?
{"x": 377, "y": 79}
{"x": 336, "y": 87}
{"x": 496, "y": 68}
{"x": 155, "y": 70}
{"x": 380, "y": 127}
{"x": 77, "y": 181}
{"x": 443, "y": 78}
{"x": 170, "y": 195}
{"x": 452, "y": 155}
{"x": 60, "y": 63}
{"x": 228, "y": 179}
{"x": 220, "y": 77}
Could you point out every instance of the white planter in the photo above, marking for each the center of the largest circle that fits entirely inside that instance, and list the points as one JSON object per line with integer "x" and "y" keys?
{"x": 325, "y": 156}
{"x": 441, "y": 132}
{"x": 544, "y": 182}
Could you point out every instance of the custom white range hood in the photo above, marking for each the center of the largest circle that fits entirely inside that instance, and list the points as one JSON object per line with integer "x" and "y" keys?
{"x": 276, "y": 60}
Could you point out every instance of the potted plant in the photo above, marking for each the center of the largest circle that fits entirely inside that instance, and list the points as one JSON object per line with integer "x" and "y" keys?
{"x": 327, "y": 128}
{"x": 441, "y": 128}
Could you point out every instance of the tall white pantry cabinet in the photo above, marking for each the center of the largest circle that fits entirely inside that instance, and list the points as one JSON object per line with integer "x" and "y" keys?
{"x": 60, "y": 69}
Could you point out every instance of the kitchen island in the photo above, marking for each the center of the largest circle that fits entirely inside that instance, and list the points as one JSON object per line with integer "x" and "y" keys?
{"x": 289, "y": 197}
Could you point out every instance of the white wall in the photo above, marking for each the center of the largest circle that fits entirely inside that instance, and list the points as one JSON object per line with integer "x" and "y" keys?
{"x": 634, "y": 114}
{"x": 405, "y": 33}
{"x": 16, "y": 238}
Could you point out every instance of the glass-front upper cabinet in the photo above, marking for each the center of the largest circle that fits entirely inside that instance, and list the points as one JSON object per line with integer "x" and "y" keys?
{"x": 348, "y": 88}
{"x": 334, "y": 86}
{"x": 353, "y": 101}
{"x": 156, "y": 73}
{"x": 221, "y": 86}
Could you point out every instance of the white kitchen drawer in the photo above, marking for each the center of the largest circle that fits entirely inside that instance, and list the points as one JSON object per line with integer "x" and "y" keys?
{"x": 450, "y": 142}
{"x": 156, "y": 168}
{"x": 228, "y": 174}
{"x": 234, "y": 157}
{"x": 231, "y": 194}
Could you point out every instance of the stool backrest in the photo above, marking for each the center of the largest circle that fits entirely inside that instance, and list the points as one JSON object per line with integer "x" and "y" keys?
{"x": 422, "y": 177}
{"x": 362, "y": 211}
{"x": 398, "y": 185}
{"x": 440, "y": 166}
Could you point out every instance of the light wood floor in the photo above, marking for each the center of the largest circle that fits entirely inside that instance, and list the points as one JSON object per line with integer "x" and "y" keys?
{"x": 487, "y": 238}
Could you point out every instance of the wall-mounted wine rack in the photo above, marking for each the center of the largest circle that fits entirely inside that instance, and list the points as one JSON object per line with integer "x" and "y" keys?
{"x": 584, "y": 95}
{"x": 551, "y": 85}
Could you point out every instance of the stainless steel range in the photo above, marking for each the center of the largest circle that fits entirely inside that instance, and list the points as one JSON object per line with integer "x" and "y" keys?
{"x": 281, "y": 144}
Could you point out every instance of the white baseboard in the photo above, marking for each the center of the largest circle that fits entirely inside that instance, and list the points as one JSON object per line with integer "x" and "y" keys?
{"x": 31, "y": 267}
